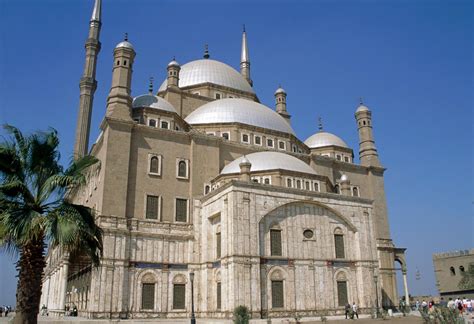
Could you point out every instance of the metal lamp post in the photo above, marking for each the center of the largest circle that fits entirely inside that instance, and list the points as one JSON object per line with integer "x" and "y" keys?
{"x": 376, "y": 295}
{"x": 191, "y": 277}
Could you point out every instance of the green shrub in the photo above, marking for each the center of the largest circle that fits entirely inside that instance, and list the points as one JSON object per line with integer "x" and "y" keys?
{"x": 241, "y": 315}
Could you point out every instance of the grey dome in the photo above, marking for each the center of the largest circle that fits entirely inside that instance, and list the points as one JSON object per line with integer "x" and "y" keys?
{"x": 236, "y": 110}
{"x": 262, "y": 161}
{"x": 151, "y": 101}
{"x": 204, "y": 71}
{"x": 124, "y": 44}
{"x": 280, "y": 90}
{"x": 173, "y": 63}
{"x": 362, "y": 108}
{"x": 321, "y": 139}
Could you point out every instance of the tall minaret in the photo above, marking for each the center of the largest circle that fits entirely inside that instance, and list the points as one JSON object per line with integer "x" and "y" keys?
{"x": 88, "y": 84}
{"x": 244, "y": 59}
{"x": 119, "y": 101}
{"x": 367, "y": 152}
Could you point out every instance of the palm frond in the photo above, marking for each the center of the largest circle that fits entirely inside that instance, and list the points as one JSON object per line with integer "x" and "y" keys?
{"x": 73, "y": 228}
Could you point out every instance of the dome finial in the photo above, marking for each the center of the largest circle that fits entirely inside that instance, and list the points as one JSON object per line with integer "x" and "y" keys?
{"x": 206, "y": 51}
{"x": 150, "y": 86}
{"x": 361, "y": 102}
{"x": 125, "y": 38}
{"x": 243, "y": 29}
{"x": 320, "y": 124}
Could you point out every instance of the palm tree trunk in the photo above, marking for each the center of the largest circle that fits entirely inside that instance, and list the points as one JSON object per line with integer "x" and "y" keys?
{"x": 30, "y": 273}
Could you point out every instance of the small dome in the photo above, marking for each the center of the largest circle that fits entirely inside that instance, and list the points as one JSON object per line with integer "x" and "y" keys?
{"x": 173, "y": 63}
{"x": 124, "y": 44}
{"x": 262, "y": 161}
{"x": 210, "y": 71}
{"x": 322, "y": 139}
{"x": 362, "y": 108}
{"x": 244, "y": 160}
{"x": 151, "y": 101}
{"x": 237, "y": 110}
{"x": 280, "y": 90}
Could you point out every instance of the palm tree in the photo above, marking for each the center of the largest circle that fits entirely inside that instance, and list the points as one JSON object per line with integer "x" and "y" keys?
{"x": 35, "y": 211}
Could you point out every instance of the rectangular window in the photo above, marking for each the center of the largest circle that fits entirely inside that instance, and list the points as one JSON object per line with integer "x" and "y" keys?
{"x": 281, "y": 145}
{"x": 164, "y": 124}
{"x": 152, "y": 207}
{"x": 226, "y": 135}
{"x": 277, "y": 294}
{"x": 152, "y": 122}
{"x": 346, "y": 159}
{"x": 257, "y": 140}
{"x": 269, "y": 142}
{"x": 339, "y": 243}
{"x": 338, "y": 157}
{"x": 181, "y": 210}
{"x": 245, "y": 138}
{"x": 218, "y": 95}
{"x": 148, "y": 296}
{"x": 218, "y": 245}
{"x": 179, "y": 296}
{"x": 342, "y": 299}
{"x": 219, "y": 298}
{"x": 275, "y": 242}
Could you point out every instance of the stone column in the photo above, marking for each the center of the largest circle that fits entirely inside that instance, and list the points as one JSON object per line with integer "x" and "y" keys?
{"x": 63, "y": 285}
{"x": 405, "y": 284}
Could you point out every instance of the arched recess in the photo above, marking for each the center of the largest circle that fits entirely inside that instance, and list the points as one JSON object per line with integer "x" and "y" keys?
{"x": 338, "y": 214}
{"x": 277, "y": 288}
{"x": 147, "y": 290}
{"x": 273, "y": 221}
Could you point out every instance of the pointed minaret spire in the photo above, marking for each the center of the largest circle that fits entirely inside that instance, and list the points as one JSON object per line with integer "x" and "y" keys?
{"x": 88, "y": 84}
{"x": 206, "y": 51}
{"x": 244, "y": 58}
{"x": 97, "y": 12}
{"x": 150, "y": 86}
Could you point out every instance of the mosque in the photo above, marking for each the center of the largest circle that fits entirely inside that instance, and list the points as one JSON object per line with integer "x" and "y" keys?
{"x": 208, "y": 200}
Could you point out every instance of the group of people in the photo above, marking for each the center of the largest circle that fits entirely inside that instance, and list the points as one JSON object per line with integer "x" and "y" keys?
{"x": 5, "y": 309}
{"x": 351, "y": 311}
{"x": 462, "y": 305}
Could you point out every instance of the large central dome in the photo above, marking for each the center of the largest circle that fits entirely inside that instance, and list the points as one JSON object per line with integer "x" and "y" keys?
{"x": 210, "y": 71}
{"x": 236, "y": 110}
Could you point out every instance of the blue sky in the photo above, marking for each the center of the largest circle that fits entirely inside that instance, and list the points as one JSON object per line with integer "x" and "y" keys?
{"x": 410, "y": 61}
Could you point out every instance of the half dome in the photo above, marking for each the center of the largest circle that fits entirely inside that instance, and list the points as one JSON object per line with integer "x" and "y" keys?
{"x": 151, "y": 101}
{"x": 236, "y": 110}
{"x": 210, "y": 71}
{"x": 322, "y": 139}
{"x": 262, "y": 161}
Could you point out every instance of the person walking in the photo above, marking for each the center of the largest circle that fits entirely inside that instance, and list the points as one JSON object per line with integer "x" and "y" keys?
{"x": 347, "y": 309}
{"x": 355, "y": 310}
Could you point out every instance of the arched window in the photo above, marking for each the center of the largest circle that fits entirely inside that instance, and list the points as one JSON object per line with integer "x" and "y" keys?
{"x": 218, "y": 245}
{"x": 288, "y": 183}
{"x": 461, "y": 268}
{"x": 298, "y": 184}
{"x": 154, "y": 165}
{"x": 152, "y": 122}
{"x": 308, "y": 185}
{"x": 266, "y": 181}
{"x": 182, "y": 169}
{"x": 355, "y": 192}
{"x": 207, "y": 189}
{"x": 336, "y": 189}
{"x": 339, "y": 244}
{"x": 453, "y": 271}
{"x": 225, "y": 136}
{"x": 342, "y": 297}
{"x": 218, "y": 295}
{"x": 164, "y": 124}
{"x": 277, "y": 286}
{"x": 316, "y": 186}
